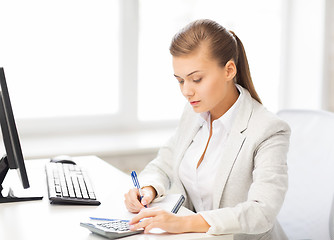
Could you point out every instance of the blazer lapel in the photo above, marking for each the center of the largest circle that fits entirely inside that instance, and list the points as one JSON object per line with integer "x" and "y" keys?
{"x": 233, "y": 146}
{"x": 232, "y": 149}
{"x": 188, "y": 134}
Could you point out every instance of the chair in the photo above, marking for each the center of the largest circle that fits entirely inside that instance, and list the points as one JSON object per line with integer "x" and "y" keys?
{"x": 306, "y": 212}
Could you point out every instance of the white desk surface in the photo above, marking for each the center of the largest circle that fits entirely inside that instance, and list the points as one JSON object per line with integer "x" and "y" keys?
{"x": 41, "y": 220}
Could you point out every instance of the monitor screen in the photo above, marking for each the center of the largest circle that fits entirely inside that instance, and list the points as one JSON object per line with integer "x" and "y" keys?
{"x": 13, "y": 158}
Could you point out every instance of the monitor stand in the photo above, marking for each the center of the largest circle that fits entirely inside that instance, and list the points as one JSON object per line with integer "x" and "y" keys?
{"x": 10, "y": 197}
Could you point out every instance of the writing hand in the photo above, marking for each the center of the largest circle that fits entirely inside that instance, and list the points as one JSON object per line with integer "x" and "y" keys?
{"x": 132, "y": 198}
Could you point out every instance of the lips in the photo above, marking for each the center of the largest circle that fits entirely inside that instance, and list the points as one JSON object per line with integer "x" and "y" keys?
{"x": 194, "y": 103}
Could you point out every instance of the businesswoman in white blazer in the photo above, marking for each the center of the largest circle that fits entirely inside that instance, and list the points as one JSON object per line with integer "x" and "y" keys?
{"x": 228, "y": 154}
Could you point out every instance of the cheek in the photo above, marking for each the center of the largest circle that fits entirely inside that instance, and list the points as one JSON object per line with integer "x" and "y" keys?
{"x": 210, "y": 90}
{"x": 215, "y": 92}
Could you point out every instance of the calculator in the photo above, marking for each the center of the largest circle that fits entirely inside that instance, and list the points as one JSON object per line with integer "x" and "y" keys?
{"x": 111, "y": 229}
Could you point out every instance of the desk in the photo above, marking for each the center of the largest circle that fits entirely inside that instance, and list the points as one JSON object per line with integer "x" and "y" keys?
{"x": 41, "y": 220}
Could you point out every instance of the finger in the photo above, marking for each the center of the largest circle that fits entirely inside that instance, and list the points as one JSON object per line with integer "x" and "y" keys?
{"x": 146, "y": 200}
{"x": 135, "y": 208}
{"x": 147, "y": 224}
{"x": 150, "y": 226}
{"x": 132, "y": 202}
{"x": 148, "y": 196}
{"x": 142, "y": 224}
{"x": 131, "y": 207}
{"x": 144, "y": 213}
{"x": 137, "y": 203}
{"x": 134, "y": 194}
{"x": 129, "y": 199}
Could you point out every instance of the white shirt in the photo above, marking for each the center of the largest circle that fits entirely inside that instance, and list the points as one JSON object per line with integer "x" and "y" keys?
{"x": 198, "y": 182}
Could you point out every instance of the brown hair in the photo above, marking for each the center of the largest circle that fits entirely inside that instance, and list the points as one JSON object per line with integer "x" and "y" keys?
{"x": 224, "y": 45}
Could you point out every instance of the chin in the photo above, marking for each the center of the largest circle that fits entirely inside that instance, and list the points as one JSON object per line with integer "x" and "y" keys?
{"x": 199, "y": 110}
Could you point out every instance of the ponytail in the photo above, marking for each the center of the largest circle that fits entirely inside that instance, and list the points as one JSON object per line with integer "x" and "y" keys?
{"x": 243, "y": 77}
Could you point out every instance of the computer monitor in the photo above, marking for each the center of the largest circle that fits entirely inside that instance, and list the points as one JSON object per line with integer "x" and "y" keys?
{"x": 13, "y": 158}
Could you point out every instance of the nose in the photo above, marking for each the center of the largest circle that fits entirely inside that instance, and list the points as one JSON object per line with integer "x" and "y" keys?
{"x": 187, "y": 89}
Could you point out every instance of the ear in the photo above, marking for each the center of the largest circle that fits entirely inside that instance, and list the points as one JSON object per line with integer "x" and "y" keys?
{"x": 231, "y": 70}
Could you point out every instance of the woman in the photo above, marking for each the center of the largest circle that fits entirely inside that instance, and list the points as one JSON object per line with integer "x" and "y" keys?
{"x": 228, "y": 155}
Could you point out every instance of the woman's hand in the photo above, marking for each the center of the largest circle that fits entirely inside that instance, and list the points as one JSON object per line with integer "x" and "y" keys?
{"x": 149, "y": 218}
{"x": 132, "y": 198}
{"x": 157, "y": 218}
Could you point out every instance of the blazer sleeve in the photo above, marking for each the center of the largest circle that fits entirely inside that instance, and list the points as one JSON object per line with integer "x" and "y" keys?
{"x": 267, "y": 191}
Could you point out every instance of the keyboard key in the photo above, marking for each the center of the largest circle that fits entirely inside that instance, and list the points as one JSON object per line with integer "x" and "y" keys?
{"x": 118, "y": 225}
{"x": 92, "y": 196}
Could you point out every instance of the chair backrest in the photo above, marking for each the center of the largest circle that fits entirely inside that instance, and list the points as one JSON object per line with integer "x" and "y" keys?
{"x": 306, "y": 212}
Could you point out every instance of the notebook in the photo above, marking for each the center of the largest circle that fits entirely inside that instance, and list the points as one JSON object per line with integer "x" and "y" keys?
{"x": 117, "y": 228}
{"x": 170, "y": 202}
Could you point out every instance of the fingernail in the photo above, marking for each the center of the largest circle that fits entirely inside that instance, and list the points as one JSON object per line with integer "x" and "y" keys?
{"x": 144, "y": 202}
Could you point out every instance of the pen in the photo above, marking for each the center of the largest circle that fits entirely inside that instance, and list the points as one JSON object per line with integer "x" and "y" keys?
{"x": 108, "y": 219}
{"x": 136, "y": 183}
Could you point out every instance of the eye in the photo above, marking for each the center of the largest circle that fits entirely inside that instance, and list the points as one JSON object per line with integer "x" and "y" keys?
{"x": 180, "y": 80}
{"x": 197, "y": 80}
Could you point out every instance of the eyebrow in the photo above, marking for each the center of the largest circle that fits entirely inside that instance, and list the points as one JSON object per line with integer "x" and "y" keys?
{"x": 188, "y": 74}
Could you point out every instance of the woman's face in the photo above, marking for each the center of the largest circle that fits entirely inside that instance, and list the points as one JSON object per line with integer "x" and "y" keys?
{"x": 206, "y": 85}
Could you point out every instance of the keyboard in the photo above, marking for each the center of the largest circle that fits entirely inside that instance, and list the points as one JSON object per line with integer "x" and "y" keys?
{"x": 69, "y": 184}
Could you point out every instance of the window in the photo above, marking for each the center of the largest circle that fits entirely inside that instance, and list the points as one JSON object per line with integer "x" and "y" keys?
{"x": 60, "y": 57}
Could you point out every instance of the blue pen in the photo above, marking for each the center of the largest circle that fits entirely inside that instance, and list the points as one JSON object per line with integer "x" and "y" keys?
{"x": 108, "y": 219}
{"x": 136, "y": 183}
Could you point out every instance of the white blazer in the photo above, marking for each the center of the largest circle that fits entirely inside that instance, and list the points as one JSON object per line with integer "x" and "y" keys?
{"x": 252, "y": 183}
